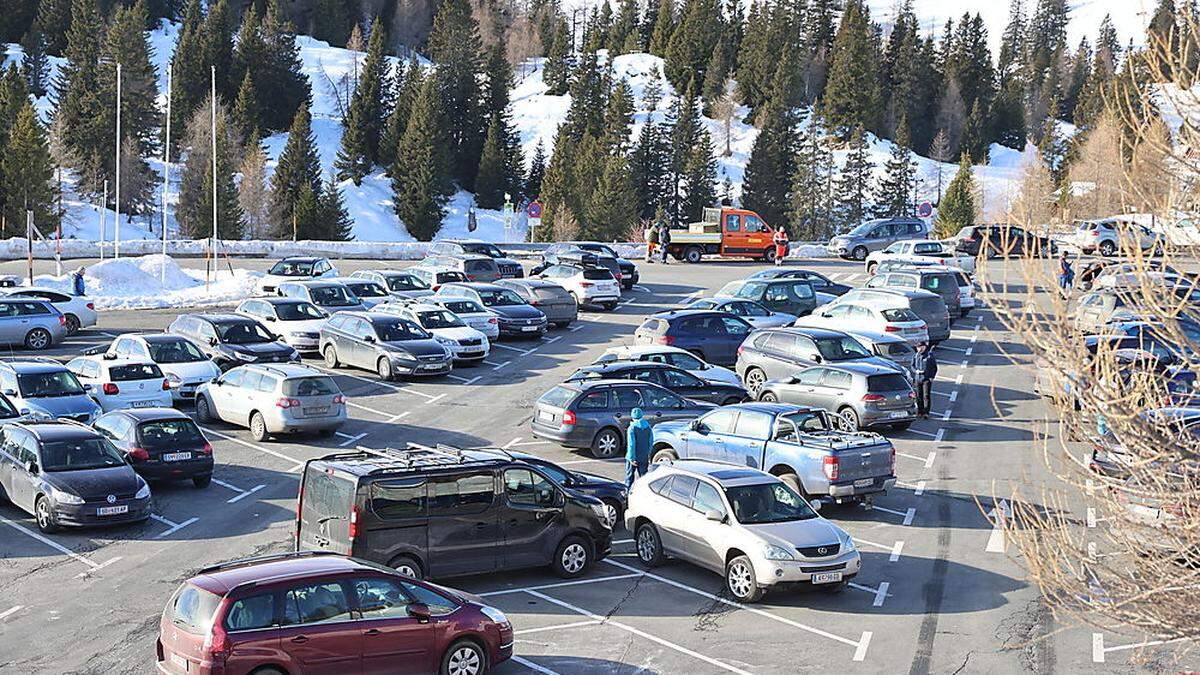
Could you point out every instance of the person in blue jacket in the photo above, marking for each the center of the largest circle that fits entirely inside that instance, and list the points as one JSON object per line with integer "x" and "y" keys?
{"x": 638, "y": 441}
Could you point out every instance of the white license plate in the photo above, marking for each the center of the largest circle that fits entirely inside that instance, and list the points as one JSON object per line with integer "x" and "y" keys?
{"x": 864, "y": 482}
{"x": 546, "y": 415}
{"x": 316, "y": 411}
{"x": 529, "y": 329}
{"x": 433, "y": 366}
{"x": 176, "y": 456}
{"x": 179, "y": 661}
{"x": 898, "y": 414}
{"x": 142, "y": 404}
{"x": 112, "y": 510}
{"x": 827, "y": 577}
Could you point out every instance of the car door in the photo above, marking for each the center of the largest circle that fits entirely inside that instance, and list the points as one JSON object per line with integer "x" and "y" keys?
{"x": 464, "y": 524}
{"x": 665, "y": 406}
{"x": 834, "y": 390}
{"x": 362, "y": 343}
{"x": 224, "y": 392}
{"x": 707, "y": 439}
{"x": 745, "y": 442}
{"x": 532, "y": 519}
{"x": 10, "y": 457}
{"x": 319, "y": 631}
{"x": 731, "y": 332}
{"x": 24, "y": 483}
{"x": 805, "y": 387}
{"x": 709, "y": 539}
{"x": 11, "y": 332}
{"x": 686, "y": 385}
{"x": 674, "y": 517}
{"x": 393, "y": 641}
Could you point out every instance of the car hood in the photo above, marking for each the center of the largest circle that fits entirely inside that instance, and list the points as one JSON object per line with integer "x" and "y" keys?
{"x": 416, "y": 347}
{"x": 56, "y": 406}
{"x": 260, "y": 348}
{"x": 776, "y": 320}
{"x": 592, "y": 480}
{"x": 192, "y": 371}
{"x": 305, "y": 326}
{"x": 458, "y": 333}
{"x": 670, "y": 428}
{"x": 95, "y": 483}
{"x": 798, "y": 533}
{"x": 718, "y": 375}
{"x": 518, "y": 312}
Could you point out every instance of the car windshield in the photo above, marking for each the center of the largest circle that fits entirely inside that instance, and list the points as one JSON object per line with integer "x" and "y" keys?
{"x": 298, "y": 311}
{"x": 292, "y": 268}
{"x": 900, "y": 314}
{"x": 703, "y": 304}
{"x": 80, "y": 454}
{"x": 463, "y": 307}
{"x": 55, "y": 383}
{"x": 600, "y": 248}
{"x": 752, "y": 290}
{"x": 500, "y": 298}
{"x": 863, "y": 229}
{"x": 243, "y": 333}
{"x": 405, "y": 282}
{"x": 6, "y": 409}
{"x": 844, "y": 348}
{"x": 134, "y": 371}
{"x": 927, "y": 249}
{"x": 767, "y": 503}
{"x": 332, "y": 296}
{"x": 439, "y": 319}
{"x": 399, "y": 331}
{"x": 368, "y": 289}
{"x": 489, "y": 250}
{"x": 170, "y": 433}
{"x": 174, "y": 351}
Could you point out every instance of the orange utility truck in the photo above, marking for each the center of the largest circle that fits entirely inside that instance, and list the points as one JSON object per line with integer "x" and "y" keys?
{"x": 724, "y": 231}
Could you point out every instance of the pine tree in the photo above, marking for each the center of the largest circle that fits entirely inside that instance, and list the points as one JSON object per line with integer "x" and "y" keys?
{"x": 27, "y": 172}
{"x": 811, "y": 215}
{"x": 218, "y": 48}
{"x": 366, "y": 122}
{"x": 333, "y": 20}
{"x": 557, "y": 71}
{"x": 490, "y": 183}
{"x": 79, "y": 112}
{"x": 268, "y": 47}
{"x": 36, "y": 65}
{"x": 975, "y": 134}
{"x": 624, "y": 27}
{"x": 298, "y": 168}
{"x": 766, "y": 188}
{"x": 716, "y": 76}
{"x": 818, "y": 43}
{"x": 253, "y": 194}
{"x": 692, "y": 42}
{"x": 853, "y": 185}
{"x": 608, "y": 216}
{"x": 405, "y": 86}
{"x": 699, "y": 179}
{"x": 54, "y": 18}
{"x": 664, "y": 27}
{"x": 247, "y": 111}
{"x": 852, "y": 93}
{"x": 537, "y": 172}
{"x": 307, "y": 215}
{"x": 454, "y": 44}
{"x": 421, "y": 179}
{"x": 195, "y": 210}
{"x": 190, "y": 75}
{"x": 957, "y": 209}
{"x": 334, "y": 221}
{"x": 939, "y": 151}
{"x": 894, "y": 197}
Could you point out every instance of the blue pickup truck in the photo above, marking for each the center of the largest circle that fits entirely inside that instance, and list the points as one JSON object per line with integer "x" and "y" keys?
{"x": 803, "y": 446}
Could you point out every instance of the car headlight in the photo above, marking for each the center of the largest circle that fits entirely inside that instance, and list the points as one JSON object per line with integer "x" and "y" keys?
{"x": 773, "y": 552}
{"x": 243, "y": 356}
{"x": 443, "y": 340}
{"x": 404, "y": 357}
{"x": 494, "y": 614}
{"x": 143, "y": 492}
{"x": 63, "y": 497}
{"x": 598, "y": 509}
{"x": 173, "y": 378}
{"x": 294, "y": 356}
{"x": 847, "y": 543}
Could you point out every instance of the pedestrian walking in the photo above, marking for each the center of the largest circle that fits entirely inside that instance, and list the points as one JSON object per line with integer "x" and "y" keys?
{"x": 781, "y": 245}
{"x": 638, "y": 441}
{"x": 651, "y": 240}
{"x": 77, "y": 281}
{"x": 1066, "y": 274}
{"x": 664, "y": 240}
{"x": 926, "y": 367}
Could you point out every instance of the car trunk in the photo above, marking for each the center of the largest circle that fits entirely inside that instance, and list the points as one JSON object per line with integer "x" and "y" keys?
{"x": 318, "y": 396}
{"x": 895, "y": 390}
{"x": 184, "y": 629}
{"x": 327, "y": 504}
{"x": 174, "y": 440}
{"x": 931, "y": 311}
{"x": 945, "y": 285}
{"x": 862, "y": 463}
{"x": 552, "y": 297}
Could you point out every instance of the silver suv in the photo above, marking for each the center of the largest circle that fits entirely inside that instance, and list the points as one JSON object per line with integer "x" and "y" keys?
{"x": 473, "y": 267}
{"x": 276, "y": 399}
{"x": 740, "y": 522}
{"x": 876, "y": 235}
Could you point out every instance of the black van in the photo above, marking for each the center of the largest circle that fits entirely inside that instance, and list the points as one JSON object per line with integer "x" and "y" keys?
{"x": 443, "y": 512}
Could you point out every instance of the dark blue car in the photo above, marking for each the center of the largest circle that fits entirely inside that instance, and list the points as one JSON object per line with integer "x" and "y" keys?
{"x": 713, "y": 336}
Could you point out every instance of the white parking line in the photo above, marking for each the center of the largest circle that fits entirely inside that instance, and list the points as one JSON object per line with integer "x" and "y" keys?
{"x": 921, "y": 433}
{"x": 907, "y": 515}
{"x": 235, "y": 439}
{"x": 381, "y": 383}
{"x": 533, "y": 666}
{"x": 918, "y": 489}
{"x": 464, "y": 380}
{"x": 640, "y": 633}
{"x": 1099, "y": 650}
{"x": 893, "y": 551}
{"x": 237, "y": 498}
{"x": 540, "y": 629}
{"x": 520, "y": 442}
{"x": 349, "y": 439}
{"x": 360, "y": 406}
{"x": 880, "y": 593}
{"x": 560, "y": 584}
{"x": 497, "y": 366}
{"x": 953, "y": 396}
{"x": 92, "y": 565}
{"x": 10, "y": 611}
{"x": 958, "y": 380}
{"x": 576, "y": 327}
{"x": 549, "y": 340}
{"x": 514, "y": 349}
{"x": 927, "y": 461}
{"x": 952, "y": 349}
{"x": 172, "y": 526}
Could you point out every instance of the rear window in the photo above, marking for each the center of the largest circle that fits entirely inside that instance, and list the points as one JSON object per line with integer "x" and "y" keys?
{"x": 394, "y": 500}
{"x": 328, "y": 496}
{"x": 473, "y": 266}
{"x": 135, "y": 371}
{"x": 310, "y": 386}
{"x": 463, "y": 306}
{"x": 171, "y": 433}
{"x": 889, "y": 382}
{"x": 926, "y": 306}
{"x": 597, "y": 275}
{"x": 193, "y": 608}
{"x": 895, "y": 349}
{"x": 939, "y": 282}
{"x": 558, "y": 397}
{"x": 654, "y": 326}
{"x": 900, "y": 314}
{"x": 963, "y": 280}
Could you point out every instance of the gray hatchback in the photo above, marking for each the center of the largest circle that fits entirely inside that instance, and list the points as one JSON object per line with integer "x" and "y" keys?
{"x": 865, "y": 395}
{"x": 554, "y": 300}
{"x": 386, "y": 344}
{"x": 928, "y": 306}
{"x": 876, "y": 235}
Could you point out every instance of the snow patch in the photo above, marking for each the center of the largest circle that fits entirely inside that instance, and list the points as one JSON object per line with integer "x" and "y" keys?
{"x": 135, "y": 283}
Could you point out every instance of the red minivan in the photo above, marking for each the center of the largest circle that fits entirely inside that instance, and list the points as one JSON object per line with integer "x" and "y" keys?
{"x": 319, "y": 613}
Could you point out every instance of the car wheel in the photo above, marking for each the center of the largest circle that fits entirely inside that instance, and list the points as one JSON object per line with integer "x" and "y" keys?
{"x": 384, "y": 368}
{"x": 572, "y": 558}
{"x": 202, "y": 482}
{"x": 610, "y": 306}
{"x": 561, "y": 324}
{"x": 871, "y": 267}
{"x": 72, "y": 324}
{"x": 326, "y": 433}
{"x": 649, "y": 545}
{"x": 408, "y": 566}
{"x": 755, "y": 379}
{"x": 38, "y": 339}
{"x": 258, "y": 427}
{"x": 612, "y": 513}
{"x": 769, "y": 255}
{"x": 203, "y": 410}
{"x": 464, "y": 658}
{"x": 793, "y": 481}
{"x": 851, "y": 417}
{"x": 693, "y": 254}
{"x": 1107, "y": 248}
{"x": 330, "y": 354}
{"x": 740, "y": 579}
{"x": 607, "y": 444}
{"x": 859, "y": 253}
{"x": 664, "y": 455}
{"x": 768, "y": 397}
{"x": 44, "y": 512}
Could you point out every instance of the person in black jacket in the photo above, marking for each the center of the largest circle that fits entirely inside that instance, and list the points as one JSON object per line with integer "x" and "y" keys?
{"x": 926, "y": 366}
{"x": 664, "y": 240}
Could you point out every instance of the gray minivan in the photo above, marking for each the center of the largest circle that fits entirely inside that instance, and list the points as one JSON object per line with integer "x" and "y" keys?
{"x": 941, "y": 281}
{"x": 929, "y": 306}
{"x": 876, "y": 235}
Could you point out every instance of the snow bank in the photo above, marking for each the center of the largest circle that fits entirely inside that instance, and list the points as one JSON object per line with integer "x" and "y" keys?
{"x": 135, "y": 283}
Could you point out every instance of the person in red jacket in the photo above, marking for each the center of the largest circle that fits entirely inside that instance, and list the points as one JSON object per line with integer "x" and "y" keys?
{"x": 781, "y": 245}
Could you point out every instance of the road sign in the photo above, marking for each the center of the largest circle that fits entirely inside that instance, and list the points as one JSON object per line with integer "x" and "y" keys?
{"x": 534, "y": 210}
{"x": 925, "y": 210}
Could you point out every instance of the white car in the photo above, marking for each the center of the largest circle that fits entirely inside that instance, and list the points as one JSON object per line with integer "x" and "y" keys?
{"x": 117, "y": 384}
{"x": 681, "y": 358}
{"x": 296, "y": 268}
{"x": 180, "y": 360}
{"x": 921, "y": 251}
{"x": 465, "y": 343}
{"x": 849, "y": 315}
{"x": 297, "y": 321}
{"x": 588, "y": 285}
{"x": 78, "y": 310}
{"x": 1108, "y": 236}
{"x": 753, "y": 313}
{"x": 472, "y": 313}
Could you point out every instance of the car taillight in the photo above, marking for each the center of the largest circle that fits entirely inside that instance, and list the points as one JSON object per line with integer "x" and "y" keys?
{"x": 207, "y": 449}
{"x": 353, "y": 523}
{"x": 166, "y": 385}
{"x": 109, "y": 389}
{"x": 586, "y": 284}
{"x": 62, "y": 320}
{"x": 873, "y": 398}
{"x": 830, "y": 467}
{"x": 891, "y": 329}
{"x": 339, "y": 399}
{"x": 470, "y": 277}
{"x": 493, "y": 321}
{"x": 741, "y": 348}
{"x": 568, "y": 418}
{"x": 617, "y": 275}
{"x": 912, "y": 394}
{"x": 140, "y": 454}
{"x": 287, "y": 403}
{"x": 216, "y": 645}
{"x": 667, "y": 340}
{"x": 91, "y": 305}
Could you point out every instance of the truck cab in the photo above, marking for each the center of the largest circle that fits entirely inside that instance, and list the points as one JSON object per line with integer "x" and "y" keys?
{"x": 725, "y": 231}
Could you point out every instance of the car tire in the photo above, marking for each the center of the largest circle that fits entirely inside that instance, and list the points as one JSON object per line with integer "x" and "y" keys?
{"x": 768, "y": 397}
{"x": 72, "y": 324}
{"x": 408, "y": 566}
{"x": 330, "y": 354}
{"x": 608, "y": 443}
{"x": 326, "y": 433}
{"x": 768, "y": 255}
{"x": 610, "y": 306}
{"x": 859, "y": 253}
{"x": 464, "y": 657}
{"x": 201, "y": 482}
{"x": 755, "y": 379}
{"x": 43, "y": 512}
{"x": 268, "y": 671}
{"x": 561, "y": 324}
{"x": 871, "y": 267}
{"x": 203, "y": 409}
{"x": 663, "y": 455}
{"x": 693, "y": 254}
{"x": 258, "y": 427}
{"x": 38, "y": 339}
{"x": 793, "y": 481}
{"x": 384, "y": 369}
{"x": 851, "y": 416}
{"x": 1108, "y": 248}
{"x": 740, "y": 580}
{"x": 573, "y": 558}
{"x": 649, "y": 545}
{"x": 613, "y": 512}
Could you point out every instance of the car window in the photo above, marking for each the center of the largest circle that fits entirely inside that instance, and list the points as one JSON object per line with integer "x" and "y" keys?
{"x": 193, "y": 609}
{"x": 734, "y": 326}
{"x": 381, "y": 599}
{"x": 661, "y": 399}
{"x": 316, "y": 603}
{"x": 683, "y": 360}
{"x": 837, "y": 379}
{"x": 719, "y": 421}
{"x": 749, "y": 309}
{"x": 753, "y": 224}
{"x": 129, "y": 372}
{"x": 753, "y": 425}
{"x": 528, "y": 488}
{"x": 707, "y": 499}
{"x": 234, "y": 378}
{"x": 627, "y": 398}
{"x": 682, "y": 490}
{"x": 660, "y": 486}
{"x": 438, "y": 604}
{"x": 595, "y": 400}
{"x": 398, "y": 499}
{"x": 251, "y": 380}
{"x": 732, "y": 223}
{"x": 810, "y": 377}
{"x": 256, "y": 611}
{"x": 678, "y": 378}
{"x": 460, "y": 495}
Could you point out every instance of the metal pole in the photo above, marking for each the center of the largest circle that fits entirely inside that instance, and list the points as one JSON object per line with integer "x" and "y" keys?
{"x": 58, "y": 230}
{"x": 214, "y": 160}
{"x": 162, "y": 270}
{"x": 117, "y": 220}
{"x": 103, "y": 216}
{"x": 29, "y": 239}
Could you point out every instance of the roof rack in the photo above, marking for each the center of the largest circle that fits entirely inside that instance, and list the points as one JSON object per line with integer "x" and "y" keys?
{"x": 414, "y": 454}
{"x": 31, "y": 359}
{"x": 254, "y": 560}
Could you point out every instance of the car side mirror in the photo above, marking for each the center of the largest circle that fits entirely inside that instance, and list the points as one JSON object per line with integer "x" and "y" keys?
{"x": 793, "y": 380}
{"x": 826, "y": 315}
{"x": 10, "y": 392}
{"x": 815, "y": 504}
{"x": 816, "y": 358}
{"x": 212, "y": 341}
{"x": 715, "y": 516}
{"x": 420, "y": 612}
{"x": 268, "y": 318}
{"x": 369, "y": 339}
{"x": 32, "y": 467}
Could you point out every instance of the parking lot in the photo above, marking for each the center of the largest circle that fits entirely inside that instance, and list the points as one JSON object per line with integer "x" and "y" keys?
{"x": 938, "y": 591}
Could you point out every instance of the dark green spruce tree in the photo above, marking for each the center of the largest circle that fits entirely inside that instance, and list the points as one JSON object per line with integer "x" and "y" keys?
{"x": 405, "y": 86}
{"x": 247, "y": 108}
{"x": 894, "y": 196}
{"x": 455, "y": 46}
{"x": 27, "y": 172}
{"x": 195, "y": 210}
{"x": 365, "y": 125}
{"x": 852, "y": 95}
{"x": 537, "y": 172}
{"x": 53, "y": 20}
{"x": 76, "y": 87}
{"x": 298, "y": 168}
{"x": 766, "y": 188}
{"x": 852, "y": 191}
{"x": 335, "y": 223}
{"x": 491, "y": 181}
{"x": 421, "y": 177}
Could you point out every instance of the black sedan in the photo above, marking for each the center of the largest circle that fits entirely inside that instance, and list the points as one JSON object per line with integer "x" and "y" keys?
{"x": 1003, "y": 240}
{"x": 159, "y": 443}
{"x": 665, "y": 375}
{"x": 820, "y": 282}
{"x": 612, "y": 492}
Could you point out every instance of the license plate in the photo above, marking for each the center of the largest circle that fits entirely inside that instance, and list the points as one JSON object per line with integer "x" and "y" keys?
{"x": 545, "y": 415}
{"x": 142, "y": 404}
{"x": 433, "y": 366}
{"x": 827, "y": 577}
{"x": 529, "y": 329}
{"x": 112, "y": 510}
{"x": 864, "y": 482}
{"x": 179, "y": 661}
{"x": 176, "y": 456}
{"x": 316, "y": 411}
{"x": 898, "y": 414}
